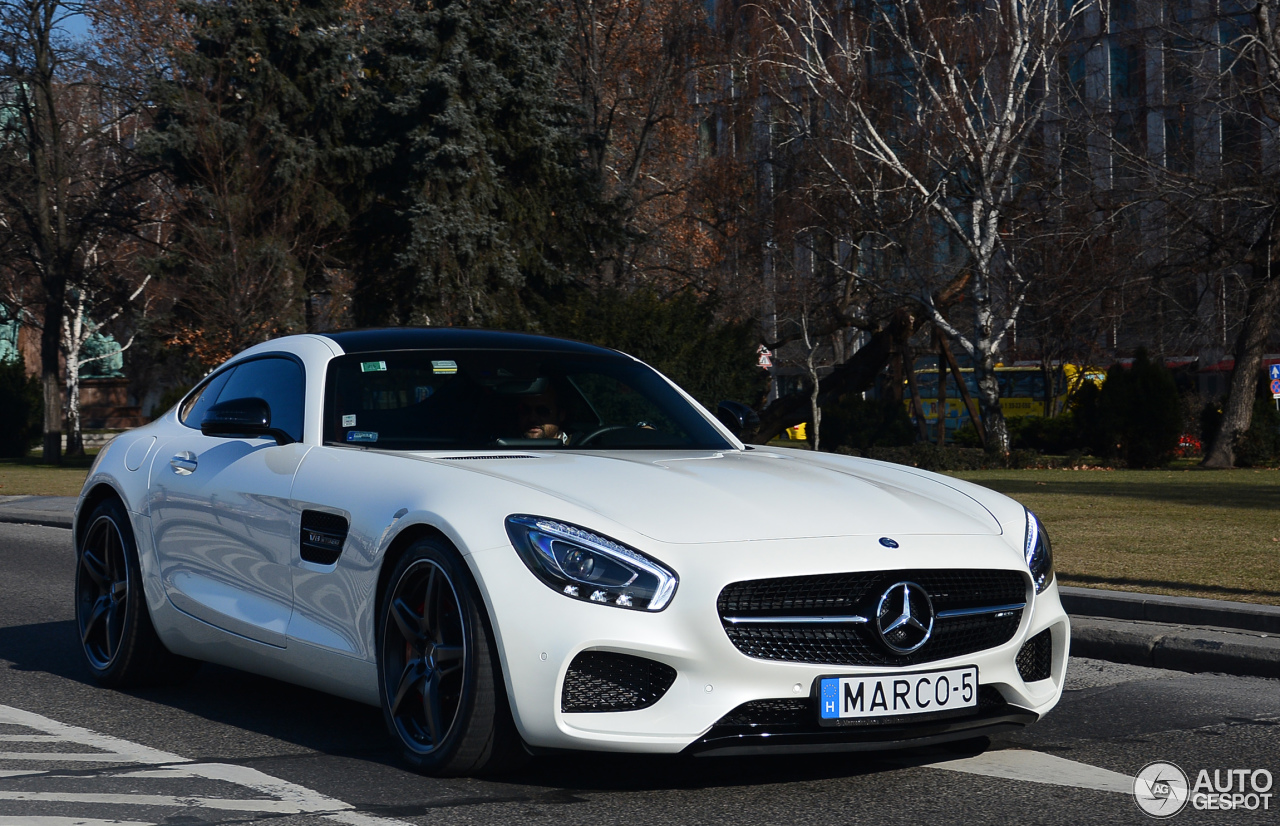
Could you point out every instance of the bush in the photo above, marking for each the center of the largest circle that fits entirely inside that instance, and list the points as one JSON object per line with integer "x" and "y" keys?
{"x": 1057, "y": 434}
{"x": 21, "y": 410}
{"x": 861, "y": 424}
{"x": 1136, "y": 416}
{"x": 1260, "y": 444}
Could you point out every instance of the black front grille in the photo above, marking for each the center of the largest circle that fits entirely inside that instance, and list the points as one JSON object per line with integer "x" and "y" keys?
{"x": 1035, "y": 660}
{"x": 800, "y": 713}
{"x": 857, "y": 594}
{"x": 605, "y": 681}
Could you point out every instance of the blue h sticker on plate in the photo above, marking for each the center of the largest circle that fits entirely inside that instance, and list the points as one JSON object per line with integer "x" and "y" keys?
{"x": 362, "y": 436}
{"x": 830, "y": 699}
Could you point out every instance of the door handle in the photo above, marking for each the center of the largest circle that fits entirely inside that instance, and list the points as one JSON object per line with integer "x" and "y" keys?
{"x": 183, "y": 464}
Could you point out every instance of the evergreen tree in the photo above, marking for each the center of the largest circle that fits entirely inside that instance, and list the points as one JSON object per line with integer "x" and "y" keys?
{"x": 677, "y": 335}
{"x": 251, "y": 131}
{"x": 476, "y": 190}
{"x": 1136, "y": 415}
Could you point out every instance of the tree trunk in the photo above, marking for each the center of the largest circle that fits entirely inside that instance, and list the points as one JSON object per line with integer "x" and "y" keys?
{"x": 1264, "y": 302}
{"x": 997, "y": 429}
{"x": 50, "y": 379}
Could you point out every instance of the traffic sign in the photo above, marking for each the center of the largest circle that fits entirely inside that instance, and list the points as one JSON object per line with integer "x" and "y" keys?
{"x": 1275, "y": 387}
{"x": 1275, "y": 372}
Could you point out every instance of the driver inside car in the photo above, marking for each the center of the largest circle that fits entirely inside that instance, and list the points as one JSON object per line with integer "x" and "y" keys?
{"x": 541, "y": 417}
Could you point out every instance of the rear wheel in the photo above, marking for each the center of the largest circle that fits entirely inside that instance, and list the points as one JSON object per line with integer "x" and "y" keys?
{"x": 438, "y": 672}
{"x": 117, "y": 638}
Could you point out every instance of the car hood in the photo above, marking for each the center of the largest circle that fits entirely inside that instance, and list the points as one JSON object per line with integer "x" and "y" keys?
{"x": 748, "y": 495}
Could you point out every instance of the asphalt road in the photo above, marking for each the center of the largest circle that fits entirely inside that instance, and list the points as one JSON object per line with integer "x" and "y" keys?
{"x": 230, "y": 747}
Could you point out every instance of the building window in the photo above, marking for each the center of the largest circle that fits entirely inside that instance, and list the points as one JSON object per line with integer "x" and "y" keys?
{"x": 1128, "y": 72}
{"x": 1178, "y": 147}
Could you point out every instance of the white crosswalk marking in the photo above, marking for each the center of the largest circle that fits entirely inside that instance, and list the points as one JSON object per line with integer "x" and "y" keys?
{"x": 66, "y": 821}
{"x": 1037, "y": 767}
{"x": 72, "y": 744}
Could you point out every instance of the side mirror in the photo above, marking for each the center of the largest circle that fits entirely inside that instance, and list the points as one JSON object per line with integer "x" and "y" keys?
{"x": 741, "y": 420}
{"x": 242, "y": 419}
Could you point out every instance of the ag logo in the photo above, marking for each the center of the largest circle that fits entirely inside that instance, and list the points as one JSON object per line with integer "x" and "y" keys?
{"x": 1161, "y": 789}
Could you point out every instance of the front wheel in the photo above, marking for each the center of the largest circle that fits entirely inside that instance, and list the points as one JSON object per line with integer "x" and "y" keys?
{"x": 438, "y": 673}
{"x": 117, "y": 638}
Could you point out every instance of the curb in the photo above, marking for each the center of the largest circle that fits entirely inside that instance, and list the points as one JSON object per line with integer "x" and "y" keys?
{"x": 1176, "y": 647}
{"x": 1176, "y": 633}
{"x": 1091, "y": 602}
{"x": 49, "y": 511}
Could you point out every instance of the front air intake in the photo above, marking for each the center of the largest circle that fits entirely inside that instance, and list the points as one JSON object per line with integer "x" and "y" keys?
{"x": 604, "y": 681}
{"x": 1035, "y": 660}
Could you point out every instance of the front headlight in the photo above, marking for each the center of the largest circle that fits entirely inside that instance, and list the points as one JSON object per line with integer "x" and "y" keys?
{"x": 583, "y": 565}
{"x": 1039, "y": 553}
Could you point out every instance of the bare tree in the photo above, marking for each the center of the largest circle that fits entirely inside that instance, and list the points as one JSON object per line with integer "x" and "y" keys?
{"x": 935, "y": 104}
{"x": 68, "y": 177}
{"x": 1250, "y": 110}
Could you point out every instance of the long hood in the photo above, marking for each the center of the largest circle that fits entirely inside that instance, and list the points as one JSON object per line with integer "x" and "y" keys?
{"x": 747, "y": 495}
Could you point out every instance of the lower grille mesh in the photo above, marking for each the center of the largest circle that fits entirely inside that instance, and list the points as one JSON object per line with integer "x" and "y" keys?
{"x": 1035, "y": 660}
{"x": 600, "y": 681}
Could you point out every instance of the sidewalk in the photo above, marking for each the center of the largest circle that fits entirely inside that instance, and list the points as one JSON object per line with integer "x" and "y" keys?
{"x": 53, "y": 511}
{"x": 1178, "y": 633}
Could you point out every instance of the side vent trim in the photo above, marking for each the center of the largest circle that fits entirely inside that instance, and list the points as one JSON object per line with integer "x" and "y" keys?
{"x": 322, "y": 537}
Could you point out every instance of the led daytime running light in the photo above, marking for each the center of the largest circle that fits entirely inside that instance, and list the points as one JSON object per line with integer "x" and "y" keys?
{"x": 544, "y": 544}
{"x": 1038, "y": 553}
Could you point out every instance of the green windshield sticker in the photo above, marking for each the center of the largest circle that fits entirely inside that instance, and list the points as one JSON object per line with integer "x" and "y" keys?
{"x": 444, "y": 367}
{"x": 372, "y": 366}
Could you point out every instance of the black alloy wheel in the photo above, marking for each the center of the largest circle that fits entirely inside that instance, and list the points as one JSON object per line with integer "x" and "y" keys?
{"x": 102, "y": 589}
{"x": 438, "y": 673}
{"x": 119, "y": 642}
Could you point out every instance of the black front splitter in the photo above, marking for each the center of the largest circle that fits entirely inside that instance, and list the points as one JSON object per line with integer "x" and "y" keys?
{"x": 724, "y": 741}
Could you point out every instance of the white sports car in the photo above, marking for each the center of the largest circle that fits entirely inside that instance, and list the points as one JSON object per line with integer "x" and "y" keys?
{"x": 513, "y": 543}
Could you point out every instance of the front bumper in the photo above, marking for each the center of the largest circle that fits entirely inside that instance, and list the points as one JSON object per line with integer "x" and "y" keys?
{"x": 539, "y": 633}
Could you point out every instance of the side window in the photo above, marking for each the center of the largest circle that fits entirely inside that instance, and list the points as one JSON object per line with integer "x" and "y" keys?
{"x": 193, "y": 411}
{"x": 277, "y": 381}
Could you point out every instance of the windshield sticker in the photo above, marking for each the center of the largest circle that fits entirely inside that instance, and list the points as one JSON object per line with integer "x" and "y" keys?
{"x": 362, "y": 436}
{"x": 445, "y": 368}
{"x": 421, "y": 393}
{"x": 349, "y": 420}
{"x": 373, "y": 366}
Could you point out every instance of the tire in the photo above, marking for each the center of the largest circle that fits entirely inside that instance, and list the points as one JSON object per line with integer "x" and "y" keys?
{"x": 117, "y": 639}
{"x": 438, "y": 673}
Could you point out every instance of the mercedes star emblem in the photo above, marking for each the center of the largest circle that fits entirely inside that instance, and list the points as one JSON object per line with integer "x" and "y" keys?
{"x": 904, "y": 617}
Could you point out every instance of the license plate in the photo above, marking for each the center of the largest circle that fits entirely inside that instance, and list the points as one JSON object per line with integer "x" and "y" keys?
{"x": 892, "y": 695}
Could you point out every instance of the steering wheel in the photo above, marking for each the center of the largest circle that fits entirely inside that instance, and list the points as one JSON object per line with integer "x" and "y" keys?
{"x": 599, "y": 431}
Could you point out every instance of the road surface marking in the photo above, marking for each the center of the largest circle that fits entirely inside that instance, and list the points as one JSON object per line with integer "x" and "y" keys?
{"x": 65, "y": 821}
{"x": 128, "y": 752}
{"x": 1037, "y": 767}
{"x": 279, "y": 796}
{"x": 182, "y": 802}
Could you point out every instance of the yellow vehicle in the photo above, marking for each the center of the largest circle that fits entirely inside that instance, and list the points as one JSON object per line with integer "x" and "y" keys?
{"x": 1022, "y": 392}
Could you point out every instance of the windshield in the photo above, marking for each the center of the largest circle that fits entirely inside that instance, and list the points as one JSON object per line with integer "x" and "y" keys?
{"x": 503, "y": 399}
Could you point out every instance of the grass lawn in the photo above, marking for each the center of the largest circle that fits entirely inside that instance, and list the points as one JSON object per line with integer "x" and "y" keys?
{"x": 27, "y": 477}
{"x": 1212, "y": 534}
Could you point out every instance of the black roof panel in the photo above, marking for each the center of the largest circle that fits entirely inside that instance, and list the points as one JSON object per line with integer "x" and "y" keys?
{"x": 454, "y": 338}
